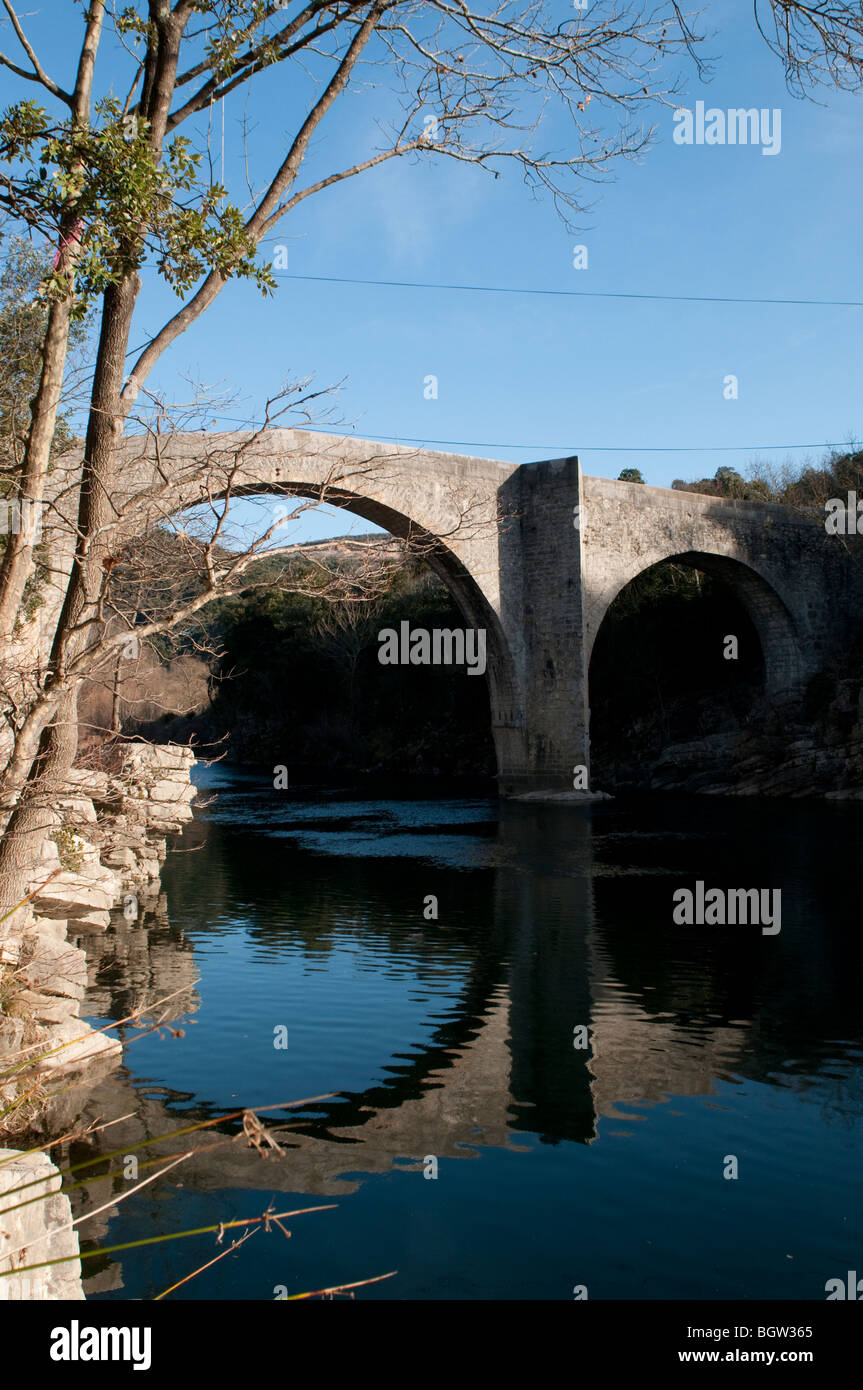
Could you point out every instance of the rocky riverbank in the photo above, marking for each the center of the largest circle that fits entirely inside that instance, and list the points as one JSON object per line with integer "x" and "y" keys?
{"x": 792, "y": 766}
{"x": 807, "y": 748}
{"x": 35, "y": 1232}
{"x": 104, "y": 846}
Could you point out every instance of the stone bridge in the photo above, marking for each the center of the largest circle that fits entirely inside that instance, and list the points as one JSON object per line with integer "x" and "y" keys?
{"x": 535, "y": 554}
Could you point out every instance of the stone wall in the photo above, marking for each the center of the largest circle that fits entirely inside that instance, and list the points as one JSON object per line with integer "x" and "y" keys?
{"x": 35, "y": 1232}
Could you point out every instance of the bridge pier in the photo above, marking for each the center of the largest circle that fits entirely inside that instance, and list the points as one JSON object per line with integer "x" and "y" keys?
{"x": 542, "y": 616}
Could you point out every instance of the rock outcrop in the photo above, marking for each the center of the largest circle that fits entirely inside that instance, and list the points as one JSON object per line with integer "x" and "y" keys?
{"x": 33, "y": 1232}
{"x": 104, "y": 850}
{"x": 807, "y": 748}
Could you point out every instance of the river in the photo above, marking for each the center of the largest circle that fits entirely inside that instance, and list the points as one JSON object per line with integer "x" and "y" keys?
{"x": 469, "y": 1141}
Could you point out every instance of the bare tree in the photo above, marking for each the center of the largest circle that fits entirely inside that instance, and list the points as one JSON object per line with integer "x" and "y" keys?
{"x": 820, "y": 42}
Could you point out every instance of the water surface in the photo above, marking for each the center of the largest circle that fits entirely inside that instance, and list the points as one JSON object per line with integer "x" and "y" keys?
{"x": 448, "y": 1045}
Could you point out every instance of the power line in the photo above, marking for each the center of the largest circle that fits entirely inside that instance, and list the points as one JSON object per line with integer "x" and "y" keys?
{"x": 564, "y": 294}
{"x": 615, "y": 448}
{"x": 561, "y": 448}
{"x": 571, "y": 294}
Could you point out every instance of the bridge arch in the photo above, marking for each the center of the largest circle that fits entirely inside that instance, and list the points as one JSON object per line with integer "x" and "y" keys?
{"x": 457, "y": 559}
{"x": 784, "y": 665}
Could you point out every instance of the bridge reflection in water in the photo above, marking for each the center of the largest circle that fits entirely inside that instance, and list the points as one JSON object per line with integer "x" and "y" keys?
{"x": 562, "y": 922}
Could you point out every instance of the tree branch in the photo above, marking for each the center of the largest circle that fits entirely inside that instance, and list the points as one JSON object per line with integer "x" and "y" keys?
{"x": 361, "y": 168}
{"x": 38, "y": 74}
{"x": 256, "y": 224}
{"x": 265, "y": 54}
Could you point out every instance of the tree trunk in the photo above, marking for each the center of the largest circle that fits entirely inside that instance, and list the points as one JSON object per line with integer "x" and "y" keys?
{"x": 17, "y": 559}
{"x": 115, "y": 699}
{"x": 18, "y": 556}
{"x": 29, "y": 826}
{"x": 24, "y": 752}
{"x": 33, "y": 817}
{"x": 79, "y": 627}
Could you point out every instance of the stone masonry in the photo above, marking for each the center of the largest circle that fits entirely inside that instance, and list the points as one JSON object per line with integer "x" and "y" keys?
{"x": 536, "y": 554}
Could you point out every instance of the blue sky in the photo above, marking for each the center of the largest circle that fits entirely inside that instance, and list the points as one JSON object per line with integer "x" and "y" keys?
{"x": 524, "y": 377}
